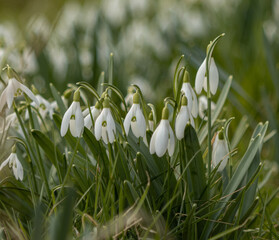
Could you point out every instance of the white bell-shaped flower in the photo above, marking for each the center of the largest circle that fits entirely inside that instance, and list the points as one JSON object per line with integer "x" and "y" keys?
{"x": 203, "y": 107}
{"x": 220, "y": 152}
{"x": 73, "y": 118}
{"x": 163, "y": 137}
{"x": 183, "y": 117}
{"x": 14, "y": 89}
{"x": 14, "y": 163}
{"x": 190, "y": 95}
{"x": 105, "y": 125}
{"x": 135, "y": 119}
{"x": 95, "y": 112}
{"x": 201, "y": 79}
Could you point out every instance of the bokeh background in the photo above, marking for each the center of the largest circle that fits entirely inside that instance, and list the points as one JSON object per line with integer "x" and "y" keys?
{"x": 63, "y": 42}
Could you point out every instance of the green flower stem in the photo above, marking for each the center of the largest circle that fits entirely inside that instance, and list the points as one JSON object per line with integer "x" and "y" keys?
{"x": 68, "y": 170}
{"x": 209, "y": 115}
{"x": 41, "y": 165}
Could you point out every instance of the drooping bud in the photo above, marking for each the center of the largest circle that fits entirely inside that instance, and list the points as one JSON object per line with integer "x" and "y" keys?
{"x": 67, "y": 93}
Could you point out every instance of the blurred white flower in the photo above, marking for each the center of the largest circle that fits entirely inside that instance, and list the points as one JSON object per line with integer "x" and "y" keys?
{"x": 135, "y": 119}
{"x": 13, "y": 162}
{"x": 190, "y": 95}
{"x": 182, "y": 119}
{"x": 7, "y": 122}
{"x": 105, "y": 125}
{"x": 220, "y": 152}
{"x": 14, "y": 89}
{"x": 163, "y": 137}
{"x": 201, "y": 79}
{"x": 95, "y": 112}
{"x": 203, "y": 107}
{"x": 73, "y": 117}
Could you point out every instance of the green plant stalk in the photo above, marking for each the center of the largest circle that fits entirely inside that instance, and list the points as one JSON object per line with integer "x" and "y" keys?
{"x": 209, "y": 115}
{"x": 39, "y": 154}
{"x": 68, "y": 169}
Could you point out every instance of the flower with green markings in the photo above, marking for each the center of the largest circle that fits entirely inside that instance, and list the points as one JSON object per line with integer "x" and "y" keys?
{"x": 190, "y": 95}
{"x": 105, "y": 125}
{"x": 14, "y": 163}
{"x": 201, "y": 79}
{"x": 163, "y": 137}
{"x": 220, "y": 151}
{"x": 95, "y": 112}
{"x": 73, "y": 118}
{"x": 183, "y": 117}
{"x": 15, "y": 89}
{"x": 135, "y": 119}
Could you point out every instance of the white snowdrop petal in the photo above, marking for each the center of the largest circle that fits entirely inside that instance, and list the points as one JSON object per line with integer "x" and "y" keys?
{"x": 19, "y": 170}
{"x": 162, "y": 138}
{"x": 110, "y": 128}
{"x": 88, "y": 121}
{"x": 29, "y": 93}
{"x": 188, "y": 95}
{"x": 105, "y": 135}
{"x": 3, "y": 99}
{"x": 200, "y": 77}
{"x": 128, "y": 118}
{"x": 152, "y": 141}
{"x": 140, "y": 130}
{"x": 195, "y": 107}
{"x": 213, "y": 76}
{"x": 3, "y": 164}
{"x": 66, "y": 121}
{"x": 98, "y": 126}
{"x": 79, "y": 121}
{"x": 10, "y": 94}
{"x": 180, "y": 123}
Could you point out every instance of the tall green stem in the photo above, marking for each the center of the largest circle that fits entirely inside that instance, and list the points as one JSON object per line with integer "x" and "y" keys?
{"x": 209, "y": 115}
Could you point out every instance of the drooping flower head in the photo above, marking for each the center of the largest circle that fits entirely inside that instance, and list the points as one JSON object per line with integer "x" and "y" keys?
{"x": 135, "y": 119}
{"x": 105, "y": 125}
{"x": 203, "y": 107}
{"x": 201, "y": 78}
{"x": 183, "y": 117}
{"x": 14, "y": 163}
{"x": 73, "y": 118}
{"x": 163, "y": 137}
{"x": 95, "y": 112}
{"x": 220, "y": 152}
{"x": 14, "y": 89}
{"x": 190, "y": 94}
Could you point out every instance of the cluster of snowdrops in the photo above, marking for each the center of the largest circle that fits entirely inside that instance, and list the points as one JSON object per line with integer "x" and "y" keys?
{"x": 101, "y": 119}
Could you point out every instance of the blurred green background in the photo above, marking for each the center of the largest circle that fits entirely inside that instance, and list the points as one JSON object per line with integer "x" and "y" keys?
{"x": 68, "y": 41}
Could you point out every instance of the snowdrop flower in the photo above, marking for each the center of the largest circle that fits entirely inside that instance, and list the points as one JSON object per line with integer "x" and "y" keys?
{"x": 135, "y": 119}
{"x": 163, "y": 137}
{"x": 73, "y": 118}
{"x": 105, "y": 125}
{"x": 14, "y": 89}
{"x": 190, "y": 95}
{"x": 7, "y": 122}
{"x": 203, "y": 107}
{"x": 201, "y": 79}
{"x": 183, "y": 117}
{"x": 13, "y": 162}
{"x": 151, "y": 122}
{"x": 220, "y": 152}
{"x": 95, "y": 112}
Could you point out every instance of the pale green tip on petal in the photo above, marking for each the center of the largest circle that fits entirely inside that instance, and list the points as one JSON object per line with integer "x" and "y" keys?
{"x": 14, "y": 149}
{"x": 184, "y": 101}
{"x": 186, "y": 77}
{"x": 77, "y": 96}
{"x": 106, "y": 103}
{"x": 136, "y": 98}
{"x": 165, "y": 113}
